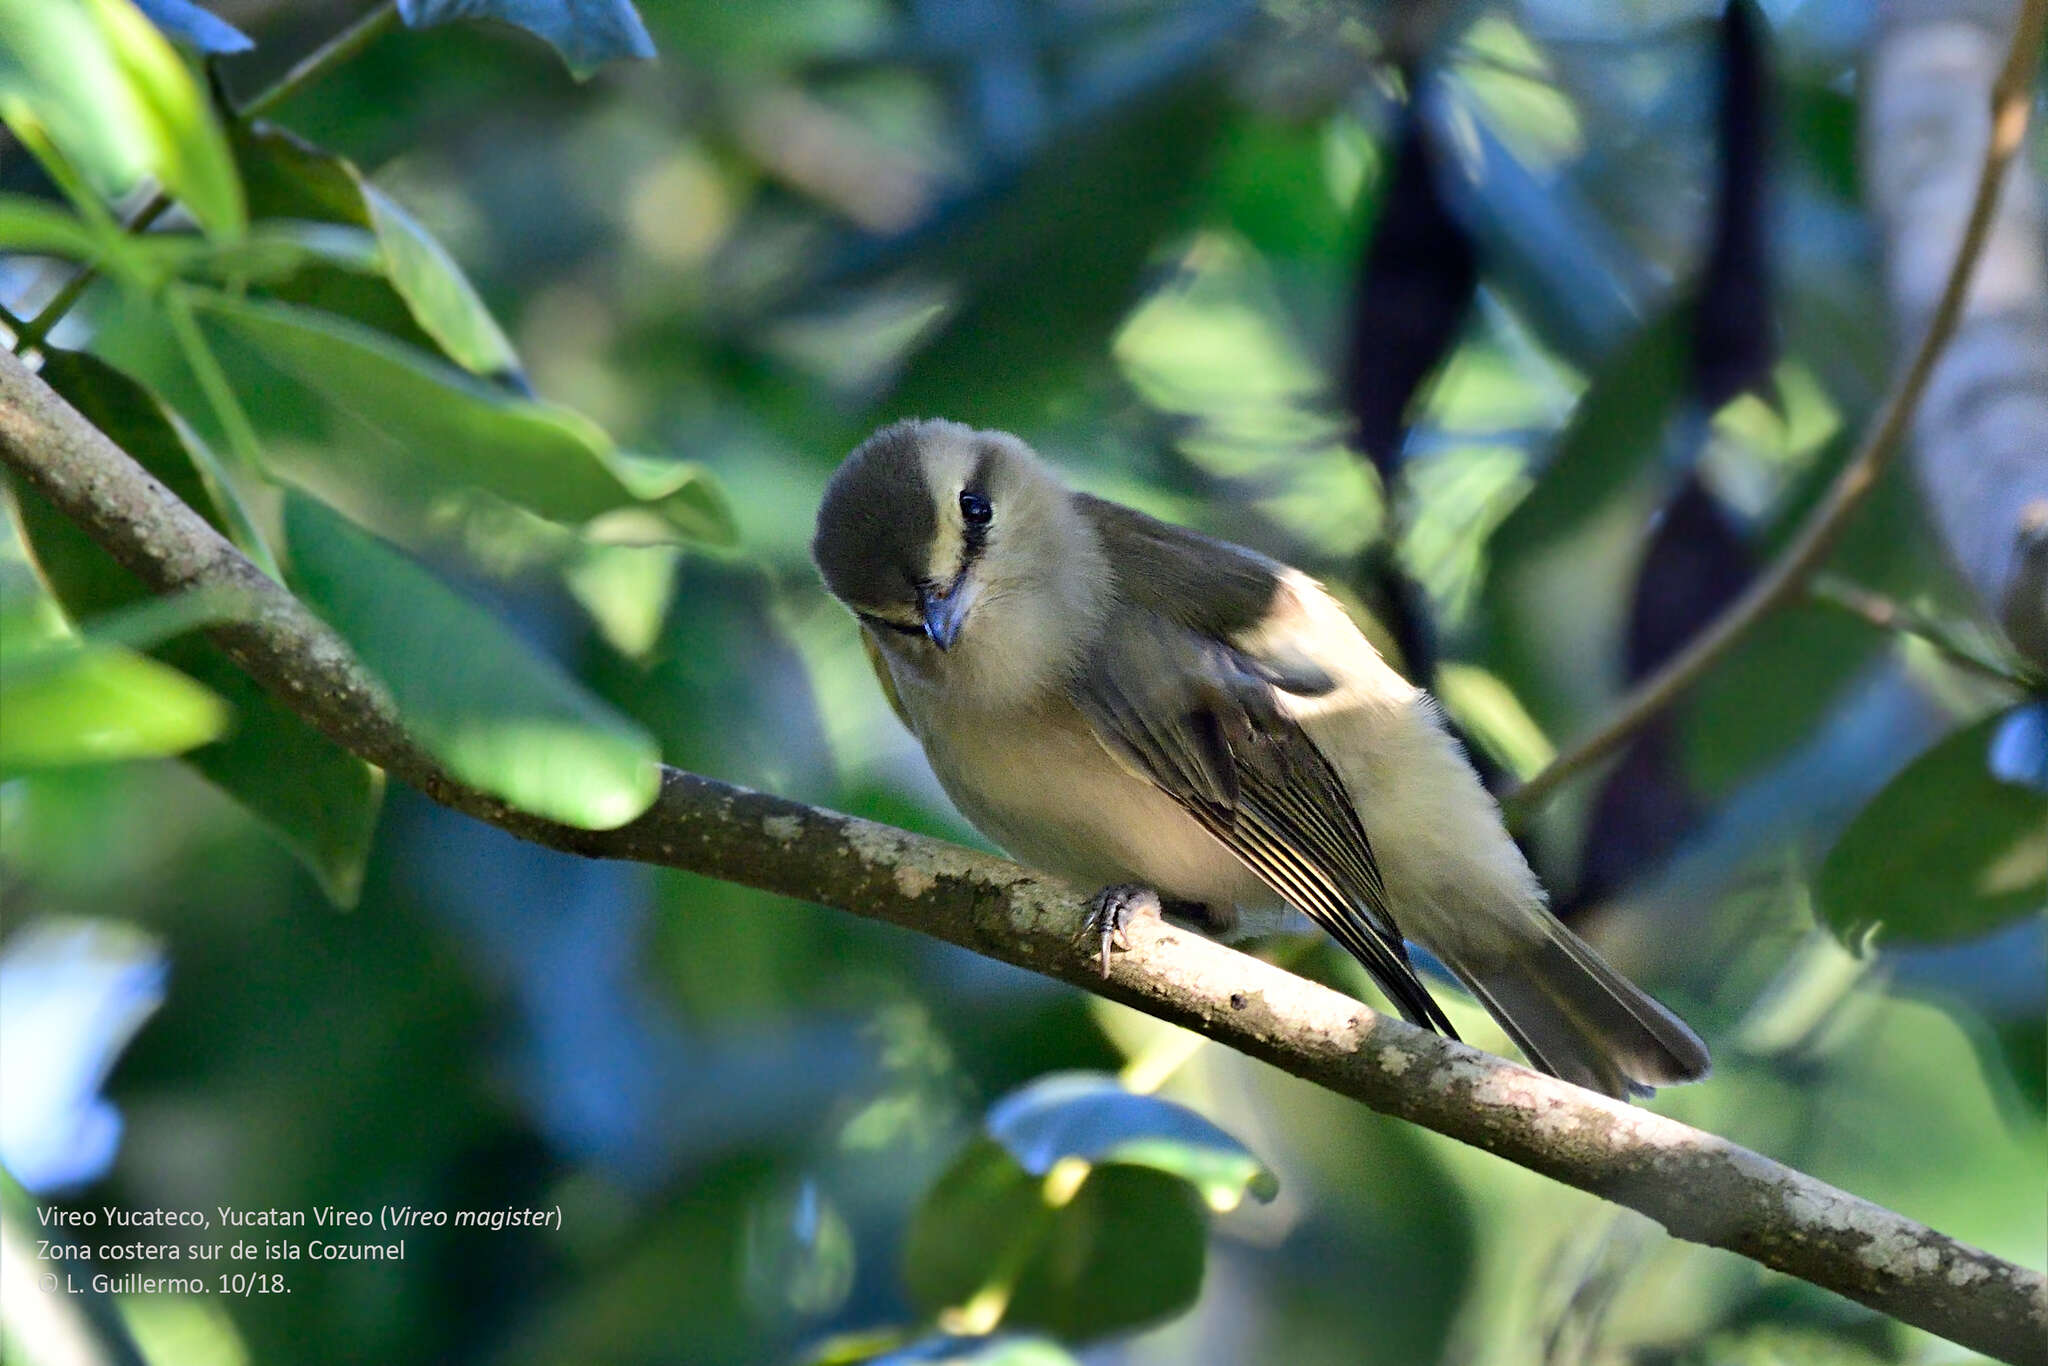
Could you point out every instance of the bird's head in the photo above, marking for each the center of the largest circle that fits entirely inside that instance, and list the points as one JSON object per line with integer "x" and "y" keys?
{"x": 962, "y": 554}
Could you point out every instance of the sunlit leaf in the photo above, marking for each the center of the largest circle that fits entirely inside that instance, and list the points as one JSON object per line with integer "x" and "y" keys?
{"x": 448, "y": 431}
{"x": 289, "y": 178}
{"x": 1088, "y": 1115}
{"x": 1948, "y": 850}
{"x": 1127, "y": 1249}
{"x": 501, "y": 717}
{"x": 1271, "y": 183}
{"x": 1488, "y": 711}
{"x": 946, "y": 1349}
{"x": 1614, "y": 434}
{"x": 1578, "y": 531}
{"x": 38, "y": 227}
{"x": 84, "y": 703}
{"x": 315, "y": 796}
{"x": 273, "y": 251}
{"x": 118, "y": 102}
{"x": 588, "y": 33}
{"x": 201, "y": 29}
{"x": 1051, "y": 264}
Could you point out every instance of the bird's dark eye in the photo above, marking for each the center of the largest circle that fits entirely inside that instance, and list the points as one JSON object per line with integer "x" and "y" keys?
{"x": 975, "y": 508}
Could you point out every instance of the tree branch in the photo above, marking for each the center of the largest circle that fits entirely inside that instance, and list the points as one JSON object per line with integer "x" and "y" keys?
{"x": 1888, "y": 426}
{"x": 1889, "y": 615}
{"x": 1698, "y": 1186}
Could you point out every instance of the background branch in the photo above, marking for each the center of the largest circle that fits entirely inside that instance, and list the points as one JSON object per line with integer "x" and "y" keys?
{"x": 1698, "y": 1186}
{"x": 1980, "y": 437}
{"x": 1783, "y": 579}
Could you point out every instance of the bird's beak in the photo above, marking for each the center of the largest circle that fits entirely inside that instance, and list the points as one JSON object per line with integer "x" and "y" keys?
{"x": 945, "y": 611}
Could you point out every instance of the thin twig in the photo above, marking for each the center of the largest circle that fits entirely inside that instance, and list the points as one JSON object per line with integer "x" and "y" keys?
{"x": 322, "y": 59}
{"x": 1892, "y": 616}
{"x": 2010, "y": 97}
{"x": 315, "y": 64}
{"x": 40, "y": 326}
{"x": 1697, "y": 1185}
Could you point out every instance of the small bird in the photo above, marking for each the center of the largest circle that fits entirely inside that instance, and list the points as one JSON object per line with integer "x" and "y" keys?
{"x": 1191, "y": 726}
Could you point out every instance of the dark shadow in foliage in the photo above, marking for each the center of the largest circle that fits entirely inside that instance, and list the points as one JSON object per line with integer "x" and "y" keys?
{"x": 1697, "y": 561}
{"x": 1414, "y": 290}
{"x": 1127, "y": 1250}
{"x": 1415, "y": 287}
{"x": 1696, "y": 564}
{"x": 1734, "y": 341}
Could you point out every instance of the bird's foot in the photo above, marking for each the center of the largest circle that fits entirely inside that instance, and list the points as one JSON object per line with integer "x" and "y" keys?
{"x": 1110, "y": 912}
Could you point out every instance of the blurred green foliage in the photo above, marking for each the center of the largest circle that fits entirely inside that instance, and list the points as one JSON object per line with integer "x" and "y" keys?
{"x": 529, "y": 384}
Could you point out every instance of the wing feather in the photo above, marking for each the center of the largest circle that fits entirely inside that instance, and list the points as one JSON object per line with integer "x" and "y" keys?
{"x": 883, "y": 676}
{"x": 1197, "y": 717}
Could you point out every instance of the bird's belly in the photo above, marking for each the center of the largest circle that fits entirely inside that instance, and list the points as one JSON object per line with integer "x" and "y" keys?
{"x": 1048, "y": 793}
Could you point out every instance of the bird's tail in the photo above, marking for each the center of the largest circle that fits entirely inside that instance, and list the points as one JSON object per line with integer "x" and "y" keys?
{"x": 1577, "y": 1018}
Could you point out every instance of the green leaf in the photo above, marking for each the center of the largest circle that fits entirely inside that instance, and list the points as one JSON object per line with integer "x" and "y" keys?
{"x": 292, "y": 179}
{"x": 502, "y": 718}
{"x": 320, "y": 800}
{"x": 1771, "y": 691}
{"x": 588, "y": 33}
{"x": 118, "y": 102}
{"x": 448, "y": 431}
{"x": 40, "y": 228}
{"x": 1271, "y": 182}
{"x": 1577, "y": 535}
{"x": 149, "y": 622}
{"x": 946, "y": 1349}
{"x": 201, "y": 29}
{"x": 276, "y": 250}
{"x": 1091, "y": 1116}
{"x": 1615, "y": 433}
{"x": 1127, "y": 1249}
{"x": 1949, "y": 850}
{"x": 84, "y": 704}
{"x": 88, "y": 1323}
{"x": 273, "y": 250}
{"x": 1049, "y": 268}
{"x": 1823, "y": 124}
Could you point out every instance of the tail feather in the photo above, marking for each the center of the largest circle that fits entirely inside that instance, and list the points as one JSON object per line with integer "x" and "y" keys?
{"x": 1575, "y": 1017}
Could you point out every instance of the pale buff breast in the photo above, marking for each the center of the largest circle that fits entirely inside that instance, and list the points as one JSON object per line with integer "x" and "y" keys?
{"x": 1039, "y": 784}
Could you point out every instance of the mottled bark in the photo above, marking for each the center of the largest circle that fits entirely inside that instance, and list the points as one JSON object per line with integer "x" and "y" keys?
{"x": 1980, "y": 437}
{"x": 1698, "y": 1186}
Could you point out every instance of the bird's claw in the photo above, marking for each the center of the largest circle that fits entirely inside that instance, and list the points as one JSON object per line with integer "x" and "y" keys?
{"x": 1110, "y": 912}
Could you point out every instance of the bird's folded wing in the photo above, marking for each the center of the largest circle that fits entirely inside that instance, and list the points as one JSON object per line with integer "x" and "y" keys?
{"x": 883, "y": 676}
{"x": 1198, "y": 718}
